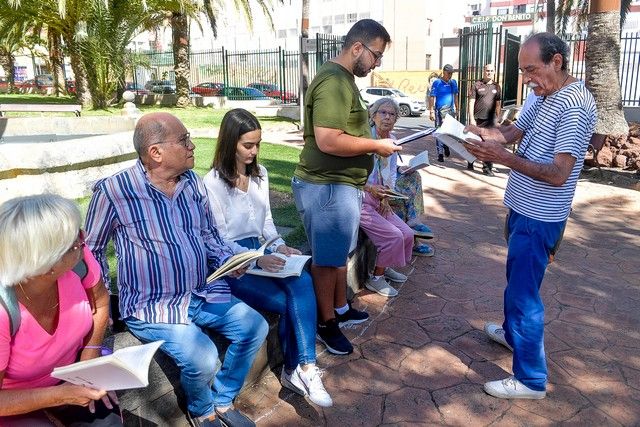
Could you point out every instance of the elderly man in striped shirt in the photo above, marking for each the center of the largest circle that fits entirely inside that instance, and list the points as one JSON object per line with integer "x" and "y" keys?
{"x": 158, "y": 214}
{"x": 554, "y": 134}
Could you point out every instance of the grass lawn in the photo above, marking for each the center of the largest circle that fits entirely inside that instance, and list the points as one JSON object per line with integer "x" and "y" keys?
{"x": 192, "y": 117}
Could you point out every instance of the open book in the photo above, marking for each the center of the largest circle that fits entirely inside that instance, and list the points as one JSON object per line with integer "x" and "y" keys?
{"x": 125, "y": 368}
{"x": 452, "y": 134}
{"x": 416, "y": 135}
{"x": 418, "y": 161}
{"x": 240, "y": 260}
{"x": 294, "y": 264}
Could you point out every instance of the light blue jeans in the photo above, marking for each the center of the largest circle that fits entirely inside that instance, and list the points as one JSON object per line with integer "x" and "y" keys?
{"x": 293, "y": 298}
{"x": 196, "y": 355}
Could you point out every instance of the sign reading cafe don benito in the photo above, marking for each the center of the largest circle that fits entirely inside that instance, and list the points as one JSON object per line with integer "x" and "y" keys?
{"x": 477, "y": 19}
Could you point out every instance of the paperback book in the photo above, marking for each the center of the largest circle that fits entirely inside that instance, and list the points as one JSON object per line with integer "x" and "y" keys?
{"x": 452, "y": 134}
{"x": 294, "y": 264}
{"x": 240, "y": 260}
{"x": 123, "y": 369}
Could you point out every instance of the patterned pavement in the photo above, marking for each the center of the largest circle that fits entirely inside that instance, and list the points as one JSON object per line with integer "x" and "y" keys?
{"x": 422, "y": 357}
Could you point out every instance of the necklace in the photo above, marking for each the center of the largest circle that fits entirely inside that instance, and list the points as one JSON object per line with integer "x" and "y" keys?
{"x": 29, "y": 299}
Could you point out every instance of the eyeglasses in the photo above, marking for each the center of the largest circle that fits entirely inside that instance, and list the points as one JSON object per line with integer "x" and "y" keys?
{"x": 391, "y": 114}
{"x": 376, "y": 55}
{"x": 79, "y": 243}
{"x": 185, "y": 141}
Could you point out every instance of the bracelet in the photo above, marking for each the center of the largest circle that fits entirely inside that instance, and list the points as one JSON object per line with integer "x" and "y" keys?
{"x": 104, "y": 351}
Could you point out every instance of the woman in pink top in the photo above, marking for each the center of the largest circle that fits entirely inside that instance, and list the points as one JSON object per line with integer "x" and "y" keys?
{"x": 50, "y": 315}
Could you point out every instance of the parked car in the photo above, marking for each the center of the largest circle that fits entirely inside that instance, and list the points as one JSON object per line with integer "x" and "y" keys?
{"x": 136, "y": 88}
{"x": 160, "y": 86}
{"x": 41, "y": 83}
{"x": 244, "y": 93}
{"x": 4, "y": 85}
{"x": 274, "y": 91}
{"x": 408, "y": 106}
{"x": 208, "y": 89}
{"x": 70, "y": 86}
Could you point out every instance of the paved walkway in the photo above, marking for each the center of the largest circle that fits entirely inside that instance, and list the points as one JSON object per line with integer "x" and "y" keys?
{"x": 422, "y": 358}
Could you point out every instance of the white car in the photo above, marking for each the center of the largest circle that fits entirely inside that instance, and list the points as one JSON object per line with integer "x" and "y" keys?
{"x": 408, "y": 106}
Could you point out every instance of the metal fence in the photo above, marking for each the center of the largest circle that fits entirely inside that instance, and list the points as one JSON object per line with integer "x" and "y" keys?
{"x": 629, "y": 71}
{"x": 274, "y": 72}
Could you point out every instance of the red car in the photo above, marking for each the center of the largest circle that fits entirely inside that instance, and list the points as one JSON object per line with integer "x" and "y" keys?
{"x": 273, "y": 91}
{"x": 208, "y": 89}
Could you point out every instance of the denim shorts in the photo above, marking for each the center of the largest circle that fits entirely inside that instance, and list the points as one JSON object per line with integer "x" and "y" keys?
{"x": 331, "y": 217}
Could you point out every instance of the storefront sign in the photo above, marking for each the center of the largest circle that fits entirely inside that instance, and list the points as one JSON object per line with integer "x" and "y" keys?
{"x": 477, "y": 19}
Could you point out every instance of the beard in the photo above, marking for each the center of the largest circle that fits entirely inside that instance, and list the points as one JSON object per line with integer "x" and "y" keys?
{"x": 359, "y": 70}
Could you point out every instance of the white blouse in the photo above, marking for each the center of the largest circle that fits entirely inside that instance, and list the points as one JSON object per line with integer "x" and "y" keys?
{"x": 240, "y": 214}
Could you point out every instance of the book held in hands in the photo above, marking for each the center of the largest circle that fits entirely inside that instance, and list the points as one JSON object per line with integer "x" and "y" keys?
{"x": 452, "y": 134}
{"x": 124, "y": 369}
{"x": 240, "y": 260}
{"x": 418, "y": 161}
{"x": 294, "y": 264}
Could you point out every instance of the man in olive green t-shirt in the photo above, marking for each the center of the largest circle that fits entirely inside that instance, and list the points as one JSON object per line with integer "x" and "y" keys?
{"x": 334, "y": 165}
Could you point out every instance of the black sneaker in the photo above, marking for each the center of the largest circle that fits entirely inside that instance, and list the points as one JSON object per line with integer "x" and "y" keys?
{"x": 469, "y": 166}
{"x": 330, "y": 335}
{"x": 447, "y": 153}
{"x": 351, "y": 317}
{"x": 440, "y": 158}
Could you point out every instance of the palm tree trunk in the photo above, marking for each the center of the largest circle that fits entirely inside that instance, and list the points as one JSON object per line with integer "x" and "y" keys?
{"x": 602, "y": 62}
{"x": 57, "y": 62}
{"x": 7, "y": 62}
{"x": 551, "y": 16}
{"x": 180, "y": 35}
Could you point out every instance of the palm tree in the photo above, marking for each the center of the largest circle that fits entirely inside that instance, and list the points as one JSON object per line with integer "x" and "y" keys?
{"x": 179, "y": 12}
{"x": 604, "y": 19}
{"x": 11, "y": 41}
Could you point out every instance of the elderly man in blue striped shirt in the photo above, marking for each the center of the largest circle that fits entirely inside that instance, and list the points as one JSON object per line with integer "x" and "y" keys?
{"x": 158, "y": 215}
{"x": 554, "y": 134}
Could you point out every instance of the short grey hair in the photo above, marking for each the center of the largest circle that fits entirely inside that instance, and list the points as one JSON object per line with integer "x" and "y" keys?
{"x": 35, "y": 233}
{"x": 549, "y": 45}
{"x": 373, "y": 108}
{"x": 147, "y": 132}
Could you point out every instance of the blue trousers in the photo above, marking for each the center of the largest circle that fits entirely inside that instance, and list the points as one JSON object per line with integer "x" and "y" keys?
{"x": 293, "y": 298}
{"x": 196, "y": 355}
{"x": 530, "y": 242}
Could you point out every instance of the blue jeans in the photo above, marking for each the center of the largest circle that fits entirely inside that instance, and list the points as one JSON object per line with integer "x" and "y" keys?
{"x": 331, "y": 216}
{"x": 293, "y": 298}
{"x": 530, "y": 242}
{"x": 196, "y": 355}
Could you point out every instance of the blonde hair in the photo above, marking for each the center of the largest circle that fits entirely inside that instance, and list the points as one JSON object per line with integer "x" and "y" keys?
{"x": 35, "y": 232}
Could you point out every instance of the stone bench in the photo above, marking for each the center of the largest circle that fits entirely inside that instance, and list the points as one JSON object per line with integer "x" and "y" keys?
{"x": 163, "y": 402}
{"x": 41, "y": 108}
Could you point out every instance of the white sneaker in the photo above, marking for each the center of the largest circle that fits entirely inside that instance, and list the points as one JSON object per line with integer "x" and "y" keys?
{"x": 394, "y": 276}
{"x": 381, "y": 286}
{"x": 511, "y": 388}
{"x": 496, "y": 333}
{"x": 307, "y": 383}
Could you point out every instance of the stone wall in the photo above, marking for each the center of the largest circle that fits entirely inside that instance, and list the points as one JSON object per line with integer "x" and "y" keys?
{"x": 620, "y": 152}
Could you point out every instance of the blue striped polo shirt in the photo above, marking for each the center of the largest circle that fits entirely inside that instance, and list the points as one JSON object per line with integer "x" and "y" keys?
{"x": 165, "y": 246}
{"x": 559, "y": 123}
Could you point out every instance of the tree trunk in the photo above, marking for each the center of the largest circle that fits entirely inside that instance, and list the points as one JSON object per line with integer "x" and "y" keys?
{"x": 57, "y": 63}
{"x": 551, "y": 16}
{"x": 180, "y": 35}
{"x": 304, "y": 63}
{"x": 82, "y": 83}
{"x": 7, "y": 62}
{"x": 602, "y": 62}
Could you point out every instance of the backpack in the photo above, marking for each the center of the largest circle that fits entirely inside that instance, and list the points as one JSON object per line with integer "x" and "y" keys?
{"x": 9, "y": 301}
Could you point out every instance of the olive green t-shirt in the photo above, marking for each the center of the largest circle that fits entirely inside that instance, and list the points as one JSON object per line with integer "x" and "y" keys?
{"x": 333, "y": 101}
